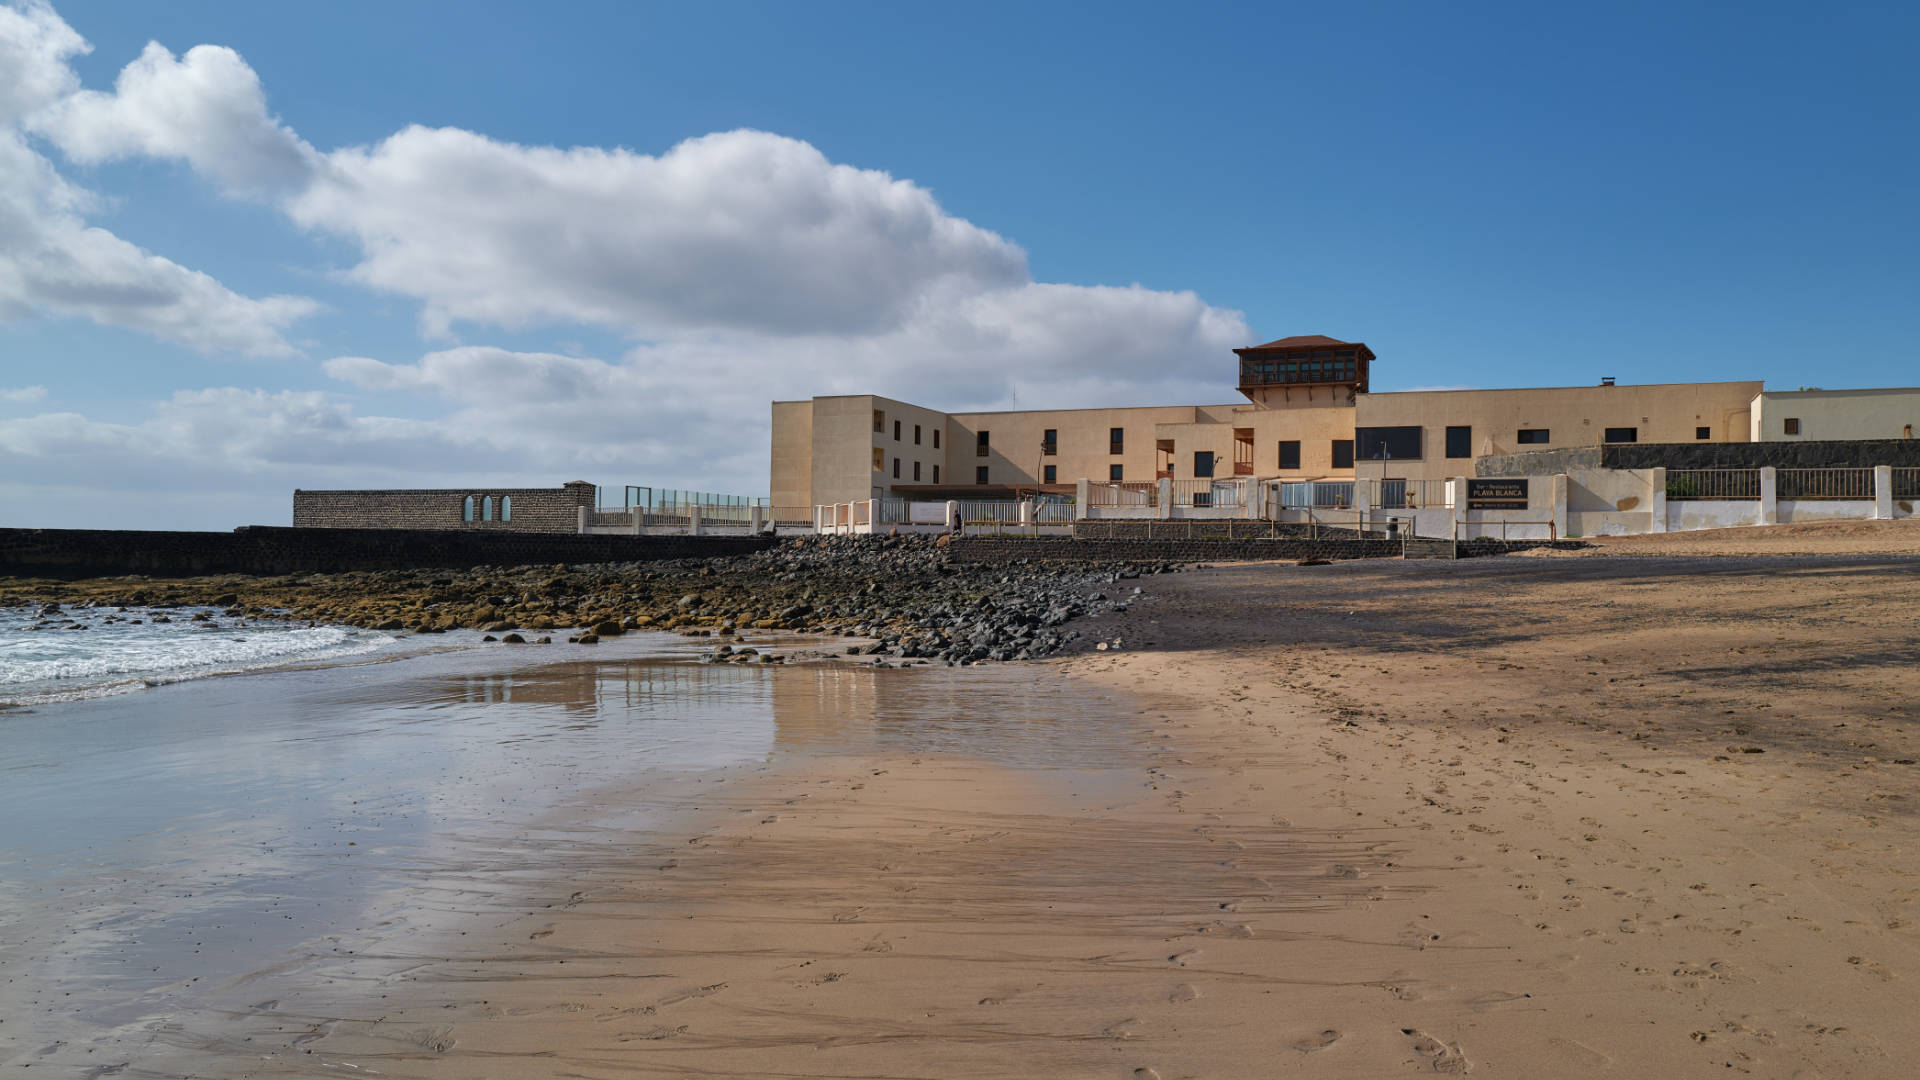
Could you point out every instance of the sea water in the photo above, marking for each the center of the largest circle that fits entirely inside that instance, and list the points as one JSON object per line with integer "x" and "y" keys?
{"x": 56, "y": 653}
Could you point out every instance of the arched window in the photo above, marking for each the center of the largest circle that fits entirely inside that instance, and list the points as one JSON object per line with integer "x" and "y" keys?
{"x": 506, "y": 508}
{"x": 466, "y": 509}
{"x": 486, "y": 508}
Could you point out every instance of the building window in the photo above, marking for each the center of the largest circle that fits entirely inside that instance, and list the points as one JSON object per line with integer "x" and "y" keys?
{"x": 916, "y": 434}
{"x": 1389, "y": 443}
{"x": 1289, "y": 453}
{"x": 916, "y": 472}
{"x": 980, "y": 446}
{"x": 1202, "y": 464}
{"x": 506, "y": 508}
{"x": 1532, "y": 435}
{"x": 896, "y": 468}
{"x": 1343, "y": 453}
{"x": 466, "y": 509}
{"x": 1460, "y": 442}
{"x": 486, "y": 508}
{"x": 1623, "y": 434}
{"x": 980, "y": 474}
{"x": 936, "y": 438}
{"x": 1703, "y": 433}
{"x": 936, "y": 474}
{"x": 879, "y": 421}
{"x": 896, "y": 431}
{"x": 1051, "y": 473}
{"x": 1113, "y": 474}
{"x": 1050, "y": 441}
{"x": 1793, "y": 425}
{"x": 879, "y": 459}
{"x": 1117, "y": 441}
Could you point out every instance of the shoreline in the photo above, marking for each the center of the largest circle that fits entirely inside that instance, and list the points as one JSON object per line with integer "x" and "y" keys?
{"x": 1521, "y": 817}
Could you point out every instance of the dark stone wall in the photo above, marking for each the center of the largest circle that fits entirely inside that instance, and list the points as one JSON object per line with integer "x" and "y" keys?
{"x": 1807, "y": 454}
{"x": 992, "y": 549}
{"x": 1539, "y": 462}
{"x": 544, "y": 510}
{"x": 262, "y": 549}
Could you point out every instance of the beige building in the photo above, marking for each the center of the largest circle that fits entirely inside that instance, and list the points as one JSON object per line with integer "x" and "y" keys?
{"x": 1307, "y": 416}
{"x": 1790, "y": 415}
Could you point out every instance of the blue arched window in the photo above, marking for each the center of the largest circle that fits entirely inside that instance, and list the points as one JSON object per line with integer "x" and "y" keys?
{"x": 486, "y": 508}
{"x": 506, "y": 508}
{"x": 466, "y": 509}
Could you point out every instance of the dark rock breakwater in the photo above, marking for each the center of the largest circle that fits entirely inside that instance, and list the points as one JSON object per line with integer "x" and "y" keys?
{"x": 904, "y": 595}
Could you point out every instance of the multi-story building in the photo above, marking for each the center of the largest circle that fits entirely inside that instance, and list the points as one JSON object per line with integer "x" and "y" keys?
{"x": 1308, "y": 415}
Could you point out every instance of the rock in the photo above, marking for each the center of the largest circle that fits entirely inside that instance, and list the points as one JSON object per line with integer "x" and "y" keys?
{"x": 489, "y": 637}
{"x": 587, "y": 639}
{"x": 608, "y": 628}
{"x": 514, "y": 639}
{"x": 543, "y": 641}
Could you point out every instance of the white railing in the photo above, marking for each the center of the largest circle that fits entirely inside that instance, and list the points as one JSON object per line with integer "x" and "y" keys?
{"x": 1206, "y": 493}
{"x": 1409, "y": 494}
{"x": 1124, "y": 494}
{"x": 1314, "y": 494}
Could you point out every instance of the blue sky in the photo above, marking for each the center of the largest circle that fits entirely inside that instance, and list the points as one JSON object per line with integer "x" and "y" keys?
{"x": 519, "y": 245}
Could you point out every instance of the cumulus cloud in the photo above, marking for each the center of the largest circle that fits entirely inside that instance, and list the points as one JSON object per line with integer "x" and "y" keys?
{"x": 53, "y": 264}
{"x": 206, "y": 108}
{"x": 25, "y": 395}
{"x": 738, "y": 230}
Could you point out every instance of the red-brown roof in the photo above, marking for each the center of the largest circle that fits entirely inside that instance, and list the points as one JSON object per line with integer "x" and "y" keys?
{"x": 1303, "y": 339}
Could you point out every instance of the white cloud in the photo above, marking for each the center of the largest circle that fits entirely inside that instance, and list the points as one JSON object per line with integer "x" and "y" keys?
{"x": 740, "y": 230}
{"x": 53, "y": 264}
{"x": 206, "y": 108}
{"x": 25, "y": 395}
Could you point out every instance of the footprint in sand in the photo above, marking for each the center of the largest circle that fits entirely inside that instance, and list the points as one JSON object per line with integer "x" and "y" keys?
{"x": 1319, "y": 1041}
{"x": 1444, "y": 1057}
{"x": 1183, "y": 956}
{"x": 1182, "y": 992}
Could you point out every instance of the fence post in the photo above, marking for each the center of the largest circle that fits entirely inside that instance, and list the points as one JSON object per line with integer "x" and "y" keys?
{"x": 1456, "y": 505}
{"x": 693, "y": 519}
{"x": 1166, "y": 496}
{"x": 1082, "y": 497}
{"x": 1559, "y": 506}
{"x": 637, "y": 518}
{"x": 1882, "y": 492}
{"x": 873, "y": 516}
{"x": 1362, "y": 505}
{"x": 757, "y": 520}
{"x": 581, "y": 520}
{"x": 1769, "y": 496}
{"x": 1657, "y": 499}
{"x": 953, "y": 515}
{"x": 1026, "y": 511}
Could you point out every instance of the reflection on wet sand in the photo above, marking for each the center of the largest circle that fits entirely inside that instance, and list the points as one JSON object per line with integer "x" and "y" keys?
{"x": 261, "y": 829}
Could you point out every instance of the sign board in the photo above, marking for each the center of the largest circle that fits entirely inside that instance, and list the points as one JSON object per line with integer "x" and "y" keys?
{"x": 1502, "y": 494}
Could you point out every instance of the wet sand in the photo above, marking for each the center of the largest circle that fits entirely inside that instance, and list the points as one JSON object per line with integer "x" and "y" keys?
{"x": 1524, "y": 817}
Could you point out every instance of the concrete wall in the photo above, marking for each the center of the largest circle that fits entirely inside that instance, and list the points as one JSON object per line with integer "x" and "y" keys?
{"x": 1573, "y": 416}
{"x": 1890, "y": 413}
{"x": 1002, "y": 550}
{"x": 1812, "y": 454}
{"x": 548, "y": 510}
{"x": 259, "y": 549}
{"x": 790, "y": 485}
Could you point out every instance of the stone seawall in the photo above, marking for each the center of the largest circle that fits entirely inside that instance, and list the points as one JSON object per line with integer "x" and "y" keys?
{"x": 263, "y": 549}
{"x": 1008, "y": 549}
{"x": 545, "y": 510}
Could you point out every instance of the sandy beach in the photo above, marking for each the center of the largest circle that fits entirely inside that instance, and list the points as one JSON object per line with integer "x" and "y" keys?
{"x": 1636, "y": 813}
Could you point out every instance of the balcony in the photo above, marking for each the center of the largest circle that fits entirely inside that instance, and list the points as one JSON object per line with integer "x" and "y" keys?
{"x": 1049, "y": 449}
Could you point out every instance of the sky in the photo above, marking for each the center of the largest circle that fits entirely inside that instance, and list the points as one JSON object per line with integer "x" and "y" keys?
{"x": 247, "y": 248}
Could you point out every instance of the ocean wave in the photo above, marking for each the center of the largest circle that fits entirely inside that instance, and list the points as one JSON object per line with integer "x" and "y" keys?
{"x": 50, "y": 665}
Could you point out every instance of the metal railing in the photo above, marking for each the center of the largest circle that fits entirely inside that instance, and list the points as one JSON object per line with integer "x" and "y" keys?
{"x": 1209, "y": 493}
{"x": 1410, "y": 494}
{"x": 983, "y": 512}
{"x": 1553, "y": 531}
{"x": 791, "y": 515}
{"x": 1691, "y": 484}
{"x": 1823, "y": 484}
{"x": 1054, "y": 512}
{"x": 1314, "y": 494}
{"x": 1906, "y": 483}
{"x": 1123, "y": 494}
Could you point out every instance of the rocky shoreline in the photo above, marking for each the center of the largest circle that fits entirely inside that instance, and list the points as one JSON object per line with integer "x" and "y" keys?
{"x": 902, "y": 595}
